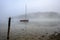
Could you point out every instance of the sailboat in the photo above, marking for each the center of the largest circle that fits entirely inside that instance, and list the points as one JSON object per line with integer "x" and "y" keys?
{"x": 26, "y": 19}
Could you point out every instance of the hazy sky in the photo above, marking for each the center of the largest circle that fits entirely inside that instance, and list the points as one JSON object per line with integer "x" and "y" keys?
{"x": 17, "y": 7}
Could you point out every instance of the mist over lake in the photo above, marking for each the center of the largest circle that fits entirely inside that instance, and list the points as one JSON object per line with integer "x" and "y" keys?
{"x": 40, "y": 23}
{"x": 30, "y": 19}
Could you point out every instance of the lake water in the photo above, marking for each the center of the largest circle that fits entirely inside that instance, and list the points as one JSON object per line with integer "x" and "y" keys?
{"x": 32, "y": 27}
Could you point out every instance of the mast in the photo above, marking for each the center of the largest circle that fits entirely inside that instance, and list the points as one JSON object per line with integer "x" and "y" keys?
{"x": 25, "y": 17}
{"x": 25, "y": 11}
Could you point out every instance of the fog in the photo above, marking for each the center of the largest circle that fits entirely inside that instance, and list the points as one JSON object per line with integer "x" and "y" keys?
{"x": 43, "y": 16}
{"x": 14, "y": 8}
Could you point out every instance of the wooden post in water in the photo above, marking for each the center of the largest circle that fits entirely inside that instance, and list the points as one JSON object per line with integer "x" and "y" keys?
{"x": 9, "y": 23}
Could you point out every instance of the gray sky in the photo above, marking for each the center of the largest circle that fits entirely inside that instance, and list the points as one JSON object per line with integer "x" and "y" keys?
{"x": 17, "y": 7}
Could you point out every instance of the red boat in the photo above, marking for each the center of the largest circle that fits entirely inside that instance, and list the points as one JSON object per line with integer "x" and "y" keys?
{"x": 24, "y": 20}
